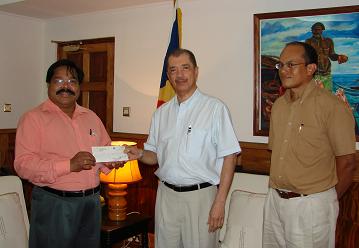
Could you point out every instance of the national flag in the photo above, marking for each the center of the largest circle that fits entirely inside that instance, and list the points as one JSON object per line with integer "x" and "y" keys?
{"x": 166, "y": 91}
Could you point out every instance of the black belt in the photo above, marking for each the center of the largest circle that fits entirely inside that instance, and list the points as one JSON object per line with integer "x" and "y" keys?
{"x": 187, "y": 188}
{"x": 80, "y": 193}
{"x": 288, "y": 194}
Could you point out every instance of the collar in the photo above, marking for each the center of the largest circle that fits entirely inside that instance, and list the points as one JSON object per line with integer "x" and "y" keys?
{"x": 49, "y": 106}
{"x": 307, "y": 90}
{"x": 196, "y": 94}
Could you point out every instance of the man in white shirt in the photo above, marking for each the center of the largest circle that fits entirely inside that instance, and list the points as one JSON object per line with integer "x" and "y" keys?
{"x": 193, "y": 141}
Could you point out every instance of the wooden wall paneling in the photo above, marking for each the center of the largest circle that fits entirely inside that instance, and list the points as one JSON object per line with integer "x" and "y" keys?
{"x": 4, "y": 141}
{"x": 7, "y": 150}
{"x": 255, "y": 158}
{"x": 347, "y": 232}
{"x": 356, "y": 175}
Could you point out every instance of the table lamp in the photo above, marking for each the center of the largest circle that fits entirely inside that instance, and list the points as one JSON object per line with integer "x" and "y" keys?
{"x": 116, "y": 182}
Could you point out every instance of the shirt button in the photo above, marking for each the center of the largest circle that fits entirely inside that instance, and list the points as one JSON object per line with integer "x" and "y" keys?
{"x": 281, "y": 158}
{"x": 289, "y": 123}
{"x": 285, "y": 141}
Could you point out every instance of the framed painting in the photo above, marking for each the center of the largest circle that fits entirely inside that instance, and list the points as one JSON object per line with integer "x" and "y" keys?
{"x": 333, "y": 32}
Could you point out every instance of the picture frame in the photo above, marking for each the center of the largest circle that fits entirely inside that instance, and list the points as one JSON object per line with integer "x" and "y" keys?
{"x": 273, "y": 30}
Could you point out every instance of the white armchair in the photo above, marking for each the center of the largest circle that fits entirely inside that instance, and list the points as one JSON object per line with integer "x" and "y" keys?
{"x": 14, "y": 222}
{"x": 244, "y": 212}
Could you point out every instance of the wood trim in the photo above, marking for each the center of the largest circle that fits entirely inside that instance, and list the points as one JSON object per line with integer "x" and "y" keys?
{"x": 86, "y": 41}
{"x": 110, "y": 85}
{"x": 10, "y": 130}
{"x": 120, "y": 135}
{"x": 309, "y": 12}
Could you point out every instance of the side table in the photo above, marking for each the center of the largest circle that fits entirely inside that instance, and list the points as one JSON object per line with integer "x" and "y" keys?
{"x": 115, "y": 231}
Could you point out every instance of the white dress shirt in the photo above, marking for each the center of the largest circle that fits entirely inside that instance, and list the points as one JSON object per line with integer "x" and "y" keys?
{"x": 191, "y": 139}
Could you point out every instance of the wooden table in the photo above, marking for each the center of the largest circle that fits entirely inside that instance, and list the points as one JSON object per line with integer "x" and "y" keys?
{"x": 115, "y": 231}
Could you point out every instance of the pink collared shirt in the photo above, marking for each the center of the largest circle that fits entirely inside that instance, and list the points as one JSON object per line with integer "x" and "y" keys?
{"x": 46, "y": 140}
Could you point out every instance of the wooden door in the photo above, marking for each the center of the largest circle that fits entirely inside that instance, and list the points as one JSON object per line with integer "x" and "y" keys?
{"x": 96, "y": 58}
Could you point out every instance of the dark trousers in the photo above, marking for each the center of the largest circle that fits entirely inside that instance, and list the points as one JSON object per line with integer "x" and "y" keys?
{"x": 64, "y": 222}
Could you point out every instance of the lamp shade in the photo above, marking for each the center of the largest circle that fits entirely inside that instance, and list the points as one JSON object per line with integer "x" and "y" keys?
{"x": 129, "y": 173}
{"x": 116, "y": 184}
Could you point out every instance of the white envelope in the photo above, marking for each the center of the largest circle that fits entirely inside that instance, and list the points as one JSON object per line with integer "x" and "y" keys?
{"x": 109, "y": 153}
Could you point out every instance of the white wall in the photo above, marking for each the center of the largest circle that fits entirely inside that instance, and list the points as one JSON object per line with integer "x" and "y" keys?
{"x": 220, "y": 33}
{"x": 21, "y": 66}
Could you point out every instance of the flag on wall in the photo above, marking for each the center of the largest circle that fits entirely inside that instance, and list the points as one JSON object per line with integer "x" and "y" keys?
{"x": 166, "y": 91}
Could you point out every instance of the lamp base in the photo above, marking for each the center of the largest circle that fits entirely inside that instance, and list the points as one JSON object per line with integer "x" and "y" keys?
{"x": 117, "y": 204}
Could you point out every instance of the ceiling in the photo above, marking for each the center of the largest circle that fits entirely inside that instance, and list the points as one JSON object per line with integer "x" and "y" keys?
{"x": 46, "y": 9}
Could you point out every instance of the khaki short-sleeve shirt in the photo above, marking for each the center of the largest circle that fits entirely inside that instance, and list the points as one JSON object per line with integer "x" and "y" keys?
{"x": 305, "y": 137}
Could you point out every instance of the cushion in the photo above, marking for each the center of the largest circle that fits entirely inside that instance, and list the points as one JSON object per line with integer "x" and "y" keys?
{"x": 245, "y": 220}
{"x": 12, "y": 225}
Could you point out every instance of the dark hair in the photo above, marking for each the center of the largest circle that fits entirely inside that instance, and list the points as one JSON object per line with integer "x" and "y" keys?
{"x": 179, "y": 51}
{"x": 318, "y": 24}
{"x": 310, "y": 54}
{"x": 71, "y": 67}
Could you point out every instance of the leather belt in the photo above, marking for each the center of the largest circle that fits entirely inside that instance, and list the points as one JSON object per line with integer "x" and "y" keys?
{"x": 64, "y": 193}
{"x": 288, "y": 194}
{"x": 187, "y": 188}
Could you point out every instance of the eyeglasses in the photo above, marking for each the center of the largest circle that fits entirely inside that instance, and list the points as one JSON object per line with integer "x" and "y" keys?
{"x": 289, "y": 65}
{"x": 173, "y": 70}
{"x": 71, "y": 81}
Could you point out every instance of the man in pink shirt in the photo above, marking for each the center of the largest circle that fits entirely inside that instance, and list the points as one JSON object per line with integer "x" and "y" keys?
{"x": 53, "y": 151}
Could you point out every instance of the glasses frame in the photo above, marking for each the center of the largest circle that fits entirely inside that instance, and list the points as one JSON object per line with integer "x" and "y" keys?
{"x": 71, "y": 81}
{"x": 289, "y": 65}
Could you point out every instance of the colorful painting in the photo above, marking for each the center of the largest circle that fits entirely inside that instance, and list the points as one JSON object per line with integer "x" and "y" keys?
{"x": 334, "y": 32}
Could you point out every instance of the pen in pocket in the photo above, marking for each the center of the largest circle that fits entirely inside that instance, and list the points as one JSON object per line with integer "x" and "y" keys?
{"x": 301, "y": 127}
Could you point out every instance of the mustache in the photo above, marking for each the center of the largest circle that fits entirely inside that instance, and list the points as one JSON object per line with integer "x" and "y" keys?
{"x": 180, "y": 79}
{"x": 65, "y": 91}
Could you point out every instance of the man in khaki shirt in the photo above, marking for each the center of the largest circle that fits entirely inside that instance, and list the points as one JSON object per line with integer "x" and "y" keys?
{"x": 312, "y": 138}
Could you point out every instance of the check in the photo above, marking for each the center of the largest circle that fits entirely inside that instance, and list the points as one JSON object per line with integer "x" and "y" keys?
{"x": 109, "y": 153}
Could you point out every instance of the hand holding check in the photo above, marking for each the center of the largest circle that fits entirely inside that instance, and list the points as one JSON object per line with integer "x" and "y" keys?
{"x": 110, "y": 156}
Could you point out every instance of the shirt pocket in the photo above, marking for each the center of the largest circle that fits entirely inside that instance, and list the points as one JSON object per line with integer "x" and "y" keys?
{"x": 195, "y": 143}
{"x": 309, "y": 146}
{"x": 93, "y": 137}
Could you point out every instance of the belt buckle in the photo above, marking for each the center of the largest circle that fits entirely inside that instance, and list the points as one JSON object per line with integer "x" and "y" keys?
{"x": 282, "y": 194}
{"x": 286, "y": 195}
